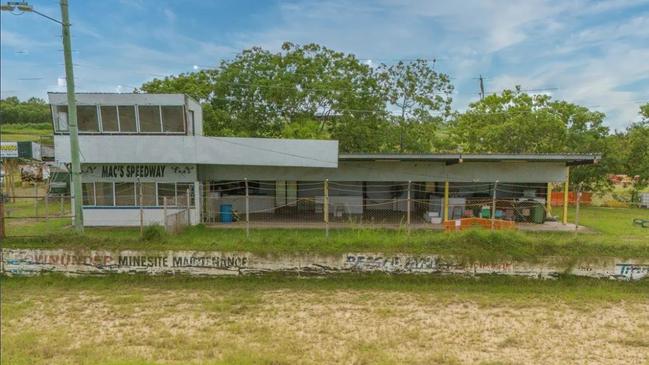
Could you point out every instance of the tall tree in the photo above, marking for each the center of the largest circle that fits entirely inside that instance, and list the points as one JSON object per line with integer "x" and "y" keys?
{"x": 421, "y": 98}
{"x": 259, "y": 93}
{"x": 632, "y": 147}
{"x": 516, "y": 122}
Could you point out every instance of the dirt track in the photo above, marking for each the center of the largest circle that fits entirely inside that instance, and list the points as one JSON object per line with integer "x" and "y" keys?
{"x": 341, "y": 326}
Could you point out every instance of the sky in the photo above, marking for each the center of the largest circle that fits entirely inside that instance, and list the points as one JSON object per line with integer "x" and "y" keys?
{"x": 593, "y": 53}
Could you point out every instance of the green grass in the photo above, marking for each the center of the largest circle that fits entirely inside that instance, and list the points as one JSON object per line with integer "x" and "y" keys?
{"x": 489, "y": 287}
{"x": 25, "y": 132}
{"x": 614, "y": 235}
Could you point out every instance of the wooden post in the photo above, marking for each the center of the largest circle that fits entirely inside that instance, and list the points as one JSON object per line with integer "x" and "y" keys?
{"x": 548, "y": 200}
{"x": 325, "y": 207}
{"x": 445, "y": 204}
{"x": 247, "y": 210}
{"x": 47, "y": 213}
{"x": 141, "y": 200}
{"x": 408, "y": 212}
{"x": 493, "y": 206}
{"x": 35, "y": 200}
{"x": 2, "y": 217}
{"x": 189, "y": 221}
{"x": 578, "y": 197}
{"x": 565, "y": 196}
{"x": 164, "y": 212}
{"x": 61, "y": 204}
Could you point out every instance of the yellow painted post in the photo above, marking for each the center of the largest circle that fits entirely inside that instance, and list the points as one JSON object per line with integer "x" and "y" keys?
{"x": 445, "y": 201}
{"x": 565, "y": 196}
{"x": 548, "y": 200}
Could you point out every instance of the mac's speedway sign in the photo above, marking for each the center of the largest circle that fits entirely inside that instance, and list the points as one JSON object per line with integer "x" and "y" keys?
{"x": 28, "y": 262}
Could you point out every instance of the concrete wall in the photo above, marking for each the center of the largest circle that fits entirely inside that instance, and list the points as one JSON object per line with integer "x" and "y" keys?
{"x": 35, "y": 261}
{"x": 130, "y": 217}
{"x": 195, "y": 107}
{"x": 513, "y": 172}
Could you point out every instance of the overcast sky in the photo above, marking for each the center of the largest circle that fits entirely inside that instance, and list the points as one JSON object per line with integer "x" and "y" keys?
{"x": 595, "y": 53}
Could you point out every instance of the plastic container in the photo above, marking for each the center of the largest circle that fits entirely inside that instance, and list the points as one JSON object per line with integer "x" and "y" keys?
{"x": 485, "y": 212}
{"x": 226, "y": 213}
{"x": 537, "y": 214}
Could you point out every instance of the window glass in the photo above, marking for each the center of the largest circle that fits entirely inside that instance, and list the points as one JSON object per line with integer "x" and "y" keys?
{"x": 148, "y": 194}
{"x": 104, "y": 193}
{"x": 87, "y": 118}
{"x": 173, "y": 119}
{"x": 169, "y": 191}
{"x": 88, "y": 193}
{"x": 181, "y": 190}
{"x": 61, "y": 118}
{"x": 124, "y": 194}
{"x": 109, "y": 118}
{"x": 149, "y": 118}
{"x": 127, "y": 118}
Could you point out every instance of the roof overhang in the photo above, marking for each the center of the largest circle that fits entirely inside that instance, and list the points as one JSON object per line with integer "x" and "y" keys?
{"x": 451, "y": 159}
{"x": 116, "y": 149}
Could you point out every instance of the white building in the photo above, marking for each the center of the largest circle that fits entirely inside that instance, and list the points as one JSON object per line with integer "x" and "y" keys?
{"x": 154, "y": 142}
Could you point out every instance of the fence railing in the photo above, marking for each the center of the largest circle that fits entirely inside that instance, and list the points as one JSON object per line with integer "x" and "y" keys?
{"x": 334, "y": 204}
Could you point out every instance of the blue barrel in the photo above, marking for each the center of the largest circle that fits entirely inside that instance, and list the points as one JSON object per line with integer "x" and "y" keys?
{"x": 226, "y": 213}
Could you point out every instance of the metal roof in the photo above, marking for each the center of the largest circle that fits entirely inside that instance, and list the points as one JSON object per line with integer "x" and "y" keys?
{"x": 453, "y": 158}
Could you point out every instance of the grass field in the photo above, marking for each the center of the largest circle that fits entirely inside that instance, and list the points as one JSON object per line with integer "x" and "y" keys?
{"x": 613, "y": 235}
{"x": 370, "y": 319}
{"x": 25, "y": 132}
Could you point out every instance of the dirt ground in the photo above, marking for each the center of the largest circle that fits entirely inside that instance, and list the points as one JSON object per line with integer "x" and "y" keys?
{"x": 289, "y": 326}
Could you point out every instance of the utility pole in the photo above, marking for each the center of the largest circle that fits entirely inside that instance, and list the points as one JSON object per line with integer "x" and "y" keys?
{"x": 24, "y": 7}
{"x": 481, "y": 87}
{"x": 72, "y": 118}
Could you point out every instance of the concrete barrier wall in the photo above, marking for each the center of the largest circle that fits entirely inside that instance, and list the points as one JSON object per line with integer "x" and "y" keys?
{"x": 25, "y": 262}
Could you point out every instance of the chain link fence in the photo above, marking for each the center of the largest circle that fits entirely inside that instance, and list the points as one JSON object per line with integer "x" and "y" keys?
{"x": 253, "y": 204}
{"x": 345, "y": 204}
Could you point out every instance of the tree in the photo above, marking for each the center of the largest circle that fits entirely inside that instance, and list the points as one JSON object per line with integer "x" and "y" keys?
{"x": 199, "y": 85}
{"x": 516, "y": 122}
{"x": 422, "y": 99}
{"x": 632, "y": 147}
{"x": 34, "y": 110}
{"x": 260, "y": 94}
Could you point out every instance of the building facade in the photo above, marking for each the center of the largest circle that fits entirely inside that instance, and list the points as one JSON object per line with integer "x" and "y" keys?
{"x": 144, "y": 154}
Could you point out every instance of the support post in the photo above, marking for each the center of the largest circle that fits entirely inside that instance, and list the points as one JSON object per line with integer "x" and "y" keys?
{"x": 325, "y": 207}
{"x": 72, "y": 118}
{"x": 61, "y": 204}
{"x": 35, "y": 200}
{"x": 408, "y": 208}
{"x": 47, "y": 211}
{"x": 445, "y": 204}
{"x": 140, "y": 202}
{"x": 548, "y": 200}
{"x": 578, "y": 197}
{"x": 2, "y": 217}
{"x": 565, "y": 196}
{"x": 493, "y": 206}
{"x": 247, "y": 210}
{"x": 189, "y": 205}
{"x": 164, "y": 212}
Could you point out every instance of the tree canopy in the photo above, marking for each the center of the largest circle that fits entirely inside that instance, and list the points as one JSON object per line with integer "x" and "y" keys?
{"x": 33, "y": 110}
{"x": 311, "y": 91}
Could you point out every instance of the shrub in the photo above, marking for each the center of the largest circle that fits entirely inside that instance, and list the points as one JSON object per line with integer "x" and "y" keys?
{"x": 154, "y": 232}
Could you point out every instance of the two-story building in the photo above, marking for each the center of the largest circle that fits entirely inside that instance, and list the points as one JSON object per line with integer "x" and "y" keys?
{"x": 147, "y": 150}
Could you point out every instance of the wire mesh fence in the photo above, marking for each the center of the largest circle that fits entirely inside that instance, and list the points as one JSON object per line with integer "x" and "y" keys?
{"x": 254, "y": 204}
{"x": 35, "y": 215}
{"x": 339, "y": 204}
